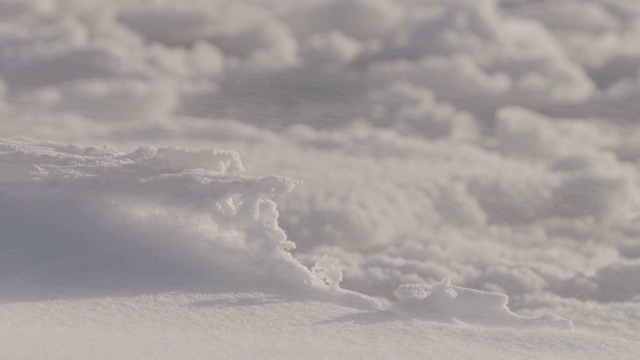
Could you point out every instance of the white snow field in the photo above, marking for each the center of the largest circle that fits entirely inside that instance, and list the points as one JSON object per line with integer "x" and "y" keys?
{"x": 320, "y": 179}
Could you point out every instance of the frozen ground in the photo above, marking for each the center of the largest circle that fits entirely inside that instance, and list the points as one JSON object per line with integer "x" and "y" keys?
{"x": 433, "y": 160}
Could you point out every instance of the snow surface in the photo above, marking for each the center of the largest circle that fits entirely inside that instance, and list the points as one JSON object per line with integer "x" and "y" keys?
{"x": 454, "y": 179}
{"x": 255, "y": 325}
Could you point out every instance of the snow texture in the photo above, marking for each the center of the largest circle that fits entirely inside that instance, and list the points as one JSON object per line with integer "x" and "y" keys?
{"x": 446, "y": 302}
{"x": 147, "y": 219}
{"x": 494, "y": 143}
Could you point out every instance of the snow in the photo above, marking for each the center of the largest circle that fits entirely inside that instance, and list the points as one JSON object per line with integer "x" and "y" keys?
{"x": 446, "y": 302}
{"x": 256, "y": 325}
{"x": 329, "y": 178}
{"x": 87, "y": 215}
{"x": 160, "y": 244}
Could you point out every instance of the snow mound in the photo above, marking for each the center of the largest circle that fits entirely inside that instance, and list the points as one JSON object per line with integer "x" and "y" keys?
{"x": 97, "y": 220}
{"x": 445, "y": 302}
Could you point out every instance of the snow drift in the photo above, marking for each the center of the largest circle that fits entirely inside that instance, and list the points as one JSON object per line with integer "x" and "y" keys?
{"x": 149, "y": 219}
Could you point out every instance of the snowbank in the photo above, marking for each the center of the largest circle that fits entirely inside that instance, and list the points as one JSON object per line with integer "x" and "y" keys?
{"x": 88, "y": 219}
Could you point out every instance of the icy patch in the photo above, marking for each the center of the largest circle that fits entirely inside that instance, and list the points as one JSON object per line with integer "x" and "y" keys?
{"x": 445, "y": 302}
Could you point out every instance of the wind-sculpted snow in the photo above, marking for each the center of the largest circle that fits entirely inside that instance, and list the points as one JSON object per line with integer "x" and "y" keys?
{"x": 87, "y": 219}
{"x": 83, "y": 212}
{"x": 75, "y": 217}
{"x": 445, "y": 302}
{"x": 492, "y": 142}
